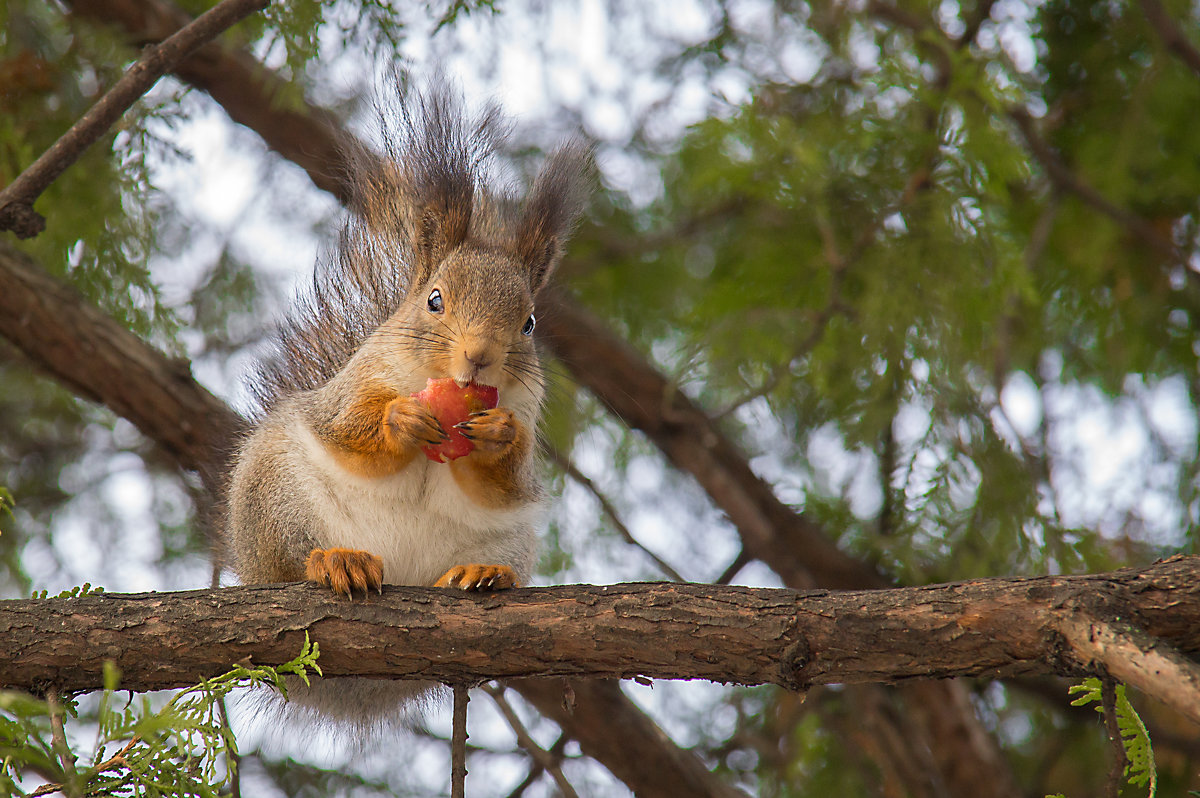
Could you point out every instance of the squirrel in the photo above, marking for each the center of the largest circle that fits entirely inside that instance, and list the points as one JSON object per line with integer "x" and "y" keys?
{"x": 434, "y": 277}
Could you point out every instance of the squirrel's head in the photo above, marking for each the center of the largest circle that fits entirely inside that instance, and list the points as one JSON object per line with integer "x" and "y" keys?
{"x": 477, "y": 263}
{"x": 475, "y": 316}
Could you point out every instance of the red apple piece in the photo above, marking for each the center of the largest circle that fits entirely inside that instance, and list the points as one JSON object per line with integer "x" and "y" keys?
{"x": 450, "y": 405}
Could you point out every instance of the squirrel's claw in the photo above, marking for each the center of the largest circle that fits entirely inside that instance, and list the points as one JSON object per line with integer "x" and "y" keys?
{"x": 479, "y": 577}
{"x": 490, "y": 430}
{"x": 345, "y": 571}
{"x": 413, "y": 424}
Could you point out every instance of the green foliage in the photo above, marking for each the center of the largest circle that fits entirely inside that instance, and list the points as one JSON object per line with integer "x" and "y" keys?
{"x": 85, "y": 589}
{"x": 1140, "y": 769}
{"x": 101, "y": 215}
{"x": 184, "y": 748}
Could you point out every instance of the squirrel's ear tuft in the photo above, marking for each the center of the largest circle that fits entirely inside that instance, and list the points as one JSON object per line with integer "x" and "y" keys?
{"x": 419, "y": 195}
{"x": 551, "y": 210}
{"x": 444, "y": 151}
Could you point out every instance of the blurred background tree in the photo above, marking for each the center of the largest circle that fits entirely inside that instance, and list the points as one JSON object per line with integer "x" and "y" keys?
{"x": 933, "y": 270}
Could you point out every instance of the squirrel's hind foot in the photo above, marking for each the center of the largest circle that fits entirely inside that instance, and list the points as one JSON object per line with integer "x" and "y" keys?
{"x": 345, "y": 570}
{"x": 479, "y": 577}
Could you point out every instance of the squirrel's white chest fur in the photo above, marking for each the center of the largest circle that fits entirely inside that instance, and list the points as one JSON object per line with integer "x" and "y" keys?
{"x": 418, "y": 521}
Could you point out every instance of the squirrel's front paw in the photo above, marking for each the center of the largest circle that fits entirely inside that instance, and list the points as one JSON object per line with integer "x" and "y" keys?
{"x": 411, "y": 423}
{"x": 490, "y": 430}
{"x": 345, "y": 570}
{"x": 479, "y": 577}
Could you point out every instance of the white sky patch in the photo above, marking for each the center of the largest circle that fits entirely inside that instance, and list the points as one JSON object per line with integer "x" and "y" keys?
{"x": 1022, "y": 403}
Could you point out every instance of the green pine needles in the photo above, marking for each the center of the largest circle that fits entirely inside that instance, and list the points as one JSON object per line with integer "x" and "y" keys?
{"x": 1140, "y": 768}
{"x": 183, "y": 749}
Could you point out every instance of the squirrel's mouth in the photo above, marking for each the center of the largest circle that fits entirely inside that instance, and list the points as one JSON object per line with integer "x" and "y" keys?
{"x": 464, "y": 382}
{"x": 471, "y": 373}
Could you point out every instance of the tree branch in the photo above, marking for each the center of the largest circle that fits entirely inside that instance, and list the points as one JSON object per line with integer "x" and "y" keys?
{"x": 249, "y": 93}
{"x": 1066, "y": 180}
{"x": 619, "y": 734}
{"x": 611, "y": 729}
{"x": 545, "y": 760}
{"x": 100, "y": 360}
{"x": 985, "y": 627}
{"x": 1171, "y": 34}
{"x": 48, "y": 321}
{"x": 1128, "y": 655}
{"x": 566, "y": 466}
{"x": 16, "y": 200}
{"x": 771, "y": 531}
{"x": 635, "y": 392}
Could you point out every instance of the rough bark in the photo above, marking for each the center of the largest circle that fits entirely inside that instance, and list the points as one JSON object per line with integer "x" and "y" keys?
{"x": 987, "y": 627}
{"x": 168, "y": 405}
{"x": 770, "y": 530}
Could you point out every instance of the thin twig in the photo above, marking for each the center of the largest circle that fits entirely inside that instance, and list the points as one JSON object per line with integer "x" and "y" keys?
{"x": 565, "y": 464}
{"x": 544, "y": 758}
{"x": 117, "y": 760}
{"x": 1063, "y": 178}
{"x": 16, "y": 201}
{"x": 61, "y": 747}
{"x": 765, "y": 387}
{"x": 234, "y": 763}
{"x": 1168, "y": 29}
{"x": 535, "y": 773}
{"x": 1108, "y": 699}
{"x": 458, "y": 743}
{"x": 739, "y": 562}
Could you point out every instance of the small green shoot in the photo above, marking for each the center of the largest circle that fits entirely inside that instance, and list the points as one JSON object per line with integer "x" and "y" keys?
{"x": 1140, "y": 770}
{"x": 183, "y": 749}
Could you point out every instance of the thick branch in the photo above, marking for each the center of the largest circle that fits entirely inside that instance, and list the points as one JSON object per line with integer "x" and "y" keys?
{"x": 771, "y": 531}
{"x": 49, "y": 321}
{"x": 1128, "y": 655}
{"x": 16, "y": 200}
{"x": 100, "y": 360}
{"x": 311, "y": 138}
{"x": 985, "y": 627}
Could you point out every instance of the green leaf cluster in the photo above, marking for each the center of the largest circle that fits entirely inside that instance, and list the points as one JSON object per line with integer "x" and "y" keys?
{"x": 184, "y": 748}
{"x": 1140, "y": 769}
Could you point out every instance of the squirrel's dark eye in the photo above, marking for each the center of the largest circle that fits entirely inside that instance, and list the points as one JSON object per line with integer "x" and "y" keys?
{"x": 435, "y": 303}
{"x": 529, "y": 323}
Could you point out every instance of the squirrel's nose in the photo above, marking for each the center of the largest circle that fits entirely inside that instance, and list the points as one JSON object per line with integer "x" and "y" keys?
{"x": 478, "y": 360}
